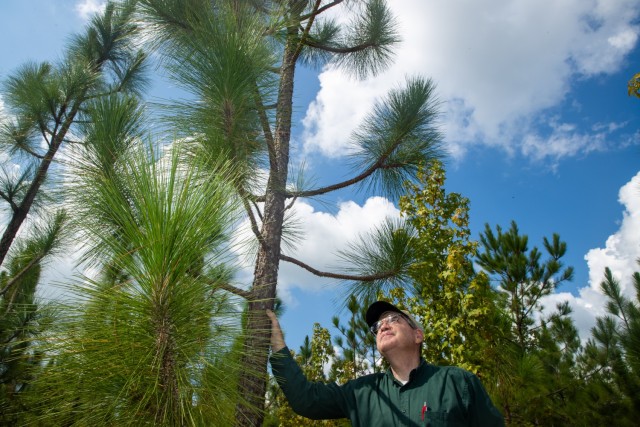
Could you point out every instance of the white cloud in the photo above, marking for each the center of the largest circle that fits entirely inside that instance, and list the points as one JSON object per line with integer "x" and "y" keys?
{"x": 624, "y": 41}
{"x": 87, "y": 8}
{"x": 566, "y": 139}
{"x": 328, "y": 123}
{"x": 585, "y": 308}
{"x": 622, "y": 249}
{"x": 496, "y": 64}
{"x": 620, "y": 253}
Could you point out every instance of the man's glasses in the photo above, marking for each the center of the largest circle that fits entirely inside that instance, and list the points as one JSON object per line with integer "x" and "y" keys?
{"x": 389, "y": 320}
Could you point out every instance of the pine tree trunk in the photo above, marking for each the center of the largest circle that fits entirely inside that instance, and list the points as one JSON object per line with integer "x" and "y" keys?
{"x": 252, "y": 382}
{"x": 20, "y": 214}
{"x": 253, "y": 379}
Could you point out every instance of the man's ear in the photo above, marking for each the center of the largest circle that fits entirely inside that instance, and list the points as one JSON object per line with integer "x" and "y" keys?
{"x": 419, "y": 336}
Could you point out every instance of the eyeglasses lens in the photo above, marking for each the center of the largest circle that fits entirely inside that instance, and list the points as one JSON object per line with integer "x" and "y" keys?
{"x": 388, "y": 320}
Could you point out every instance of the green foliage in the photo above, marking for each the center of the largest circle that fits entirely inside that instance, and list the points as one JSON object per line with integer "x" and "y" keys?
{"x": 380, "y": 260}
{"x": 398, "y": 135}
{"x": 144, "y": 341}
{"x": 522, "y": 275}
{"x": 633, "y": 87}
{"x": 610, "y": 359}
{"x": 23, "y": 318}
{"x": 44, "y": 99}
{"x": 238, "y": 60}
{"x": 373, "y": 27}
{"x": 455, "y": 305}
{"x": 43, "y": 105}
{"x": 536, "y": 363}
{"x": 358, "y": 345}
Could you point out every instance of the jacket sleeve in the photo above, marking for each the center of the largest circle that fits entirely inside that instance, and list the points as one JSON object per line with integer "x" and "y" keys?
{"x": 481, "y": 410}
{"x": 315, "y": 400}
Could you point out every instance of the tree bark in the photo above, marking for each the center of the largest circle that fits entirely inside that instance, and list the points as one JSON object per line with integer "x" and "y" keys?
{"x": 253, "y": 380}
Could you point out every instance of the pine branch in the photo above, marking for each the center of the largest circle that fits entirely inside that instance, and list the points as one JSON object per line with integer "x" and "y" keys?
{"x": 232, "y": 289}
{"x": 324, "y": 190}
{"x": 290, "y": 205}
{"x": 21, "y": 273}
{"x": 307, "y": 30}
{"x": 252, "y": 218}
{"x": 366, "y": 278}
{"x": 14, "y": 280}
{"x": 266, "y": 129}
{"x": 333, "y": 49}
{"x": 321, "y": 9}
{"x": 257, "y": 208}
{"x": 9, "y": 200}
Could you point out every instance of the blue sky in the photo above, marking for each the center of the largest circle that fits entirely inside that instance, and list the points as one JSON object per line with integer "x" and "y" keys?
{"x": 536, "y": 119}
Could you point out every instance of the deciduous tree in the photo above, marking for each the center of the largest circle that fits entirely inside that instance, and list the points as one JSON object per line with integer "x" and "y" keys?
{"x": 455, "y": 304}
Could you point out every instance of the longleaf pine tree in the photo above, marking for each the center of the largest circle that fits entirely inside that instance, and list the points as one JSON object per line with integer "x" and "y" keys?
{"x": 238, "y": 61}
{"x": 146, "y": 340}
{"x": 23, "y": 318}
{"x": 44, "y": 105}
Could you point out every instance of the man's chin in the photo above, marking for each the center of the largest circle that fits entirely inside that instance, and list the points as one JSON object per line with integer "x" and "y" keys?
{"x": 385, "y": 344}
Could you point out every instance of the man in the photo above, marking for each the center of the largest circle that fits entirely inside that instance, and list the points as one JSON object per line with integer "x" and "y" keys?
{"x": 411, "y": 393}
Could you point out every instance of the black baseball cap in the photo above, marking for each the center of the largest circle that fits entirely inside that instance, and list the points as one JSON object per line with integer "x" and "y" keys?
{"x": 376, "y": 310}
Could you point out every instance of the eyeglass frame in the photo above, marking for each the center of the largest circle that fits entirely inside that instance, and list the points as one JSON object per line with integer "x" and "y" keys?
{"x": 389, "y": 320}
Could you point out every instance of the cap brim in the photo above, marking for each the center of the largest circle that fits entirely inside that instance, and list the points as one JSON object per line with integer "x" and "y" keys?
{"x": 376, "y": 309}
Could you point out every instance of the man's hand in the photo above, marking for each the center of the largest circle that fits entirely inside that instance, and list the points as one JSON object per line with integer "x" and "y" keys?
{"x": 277, "y": 339}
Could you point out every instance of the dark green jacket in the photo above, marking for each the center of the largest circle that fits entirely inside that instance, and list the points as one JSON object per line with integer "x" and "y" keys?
{"x": 433, "y": 396}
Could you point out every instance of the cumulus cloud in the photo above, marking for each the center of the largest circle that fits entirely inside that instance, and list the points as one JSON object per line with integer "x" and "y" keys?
{"x": 620, "y": 253}
{"x": 87, "y": 8}
{"x": 496, "y": 63}
{"x": 622, "y": 249}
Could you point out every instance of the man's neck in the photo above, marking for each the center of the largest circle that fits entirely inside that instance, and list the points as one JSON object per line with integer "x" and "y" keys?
{"x": 402, "y": 365}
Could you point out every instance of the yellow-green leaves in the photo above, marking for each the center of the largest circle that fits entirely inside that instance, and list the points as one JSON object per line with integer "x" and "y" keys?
{"x": 633, "y": 87}
{"x": 449, "y": 299}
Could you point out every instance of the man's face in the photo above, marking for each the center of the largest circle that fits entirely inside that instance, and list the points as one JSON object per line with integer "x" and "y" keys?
{"x": 397, "y": 335}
